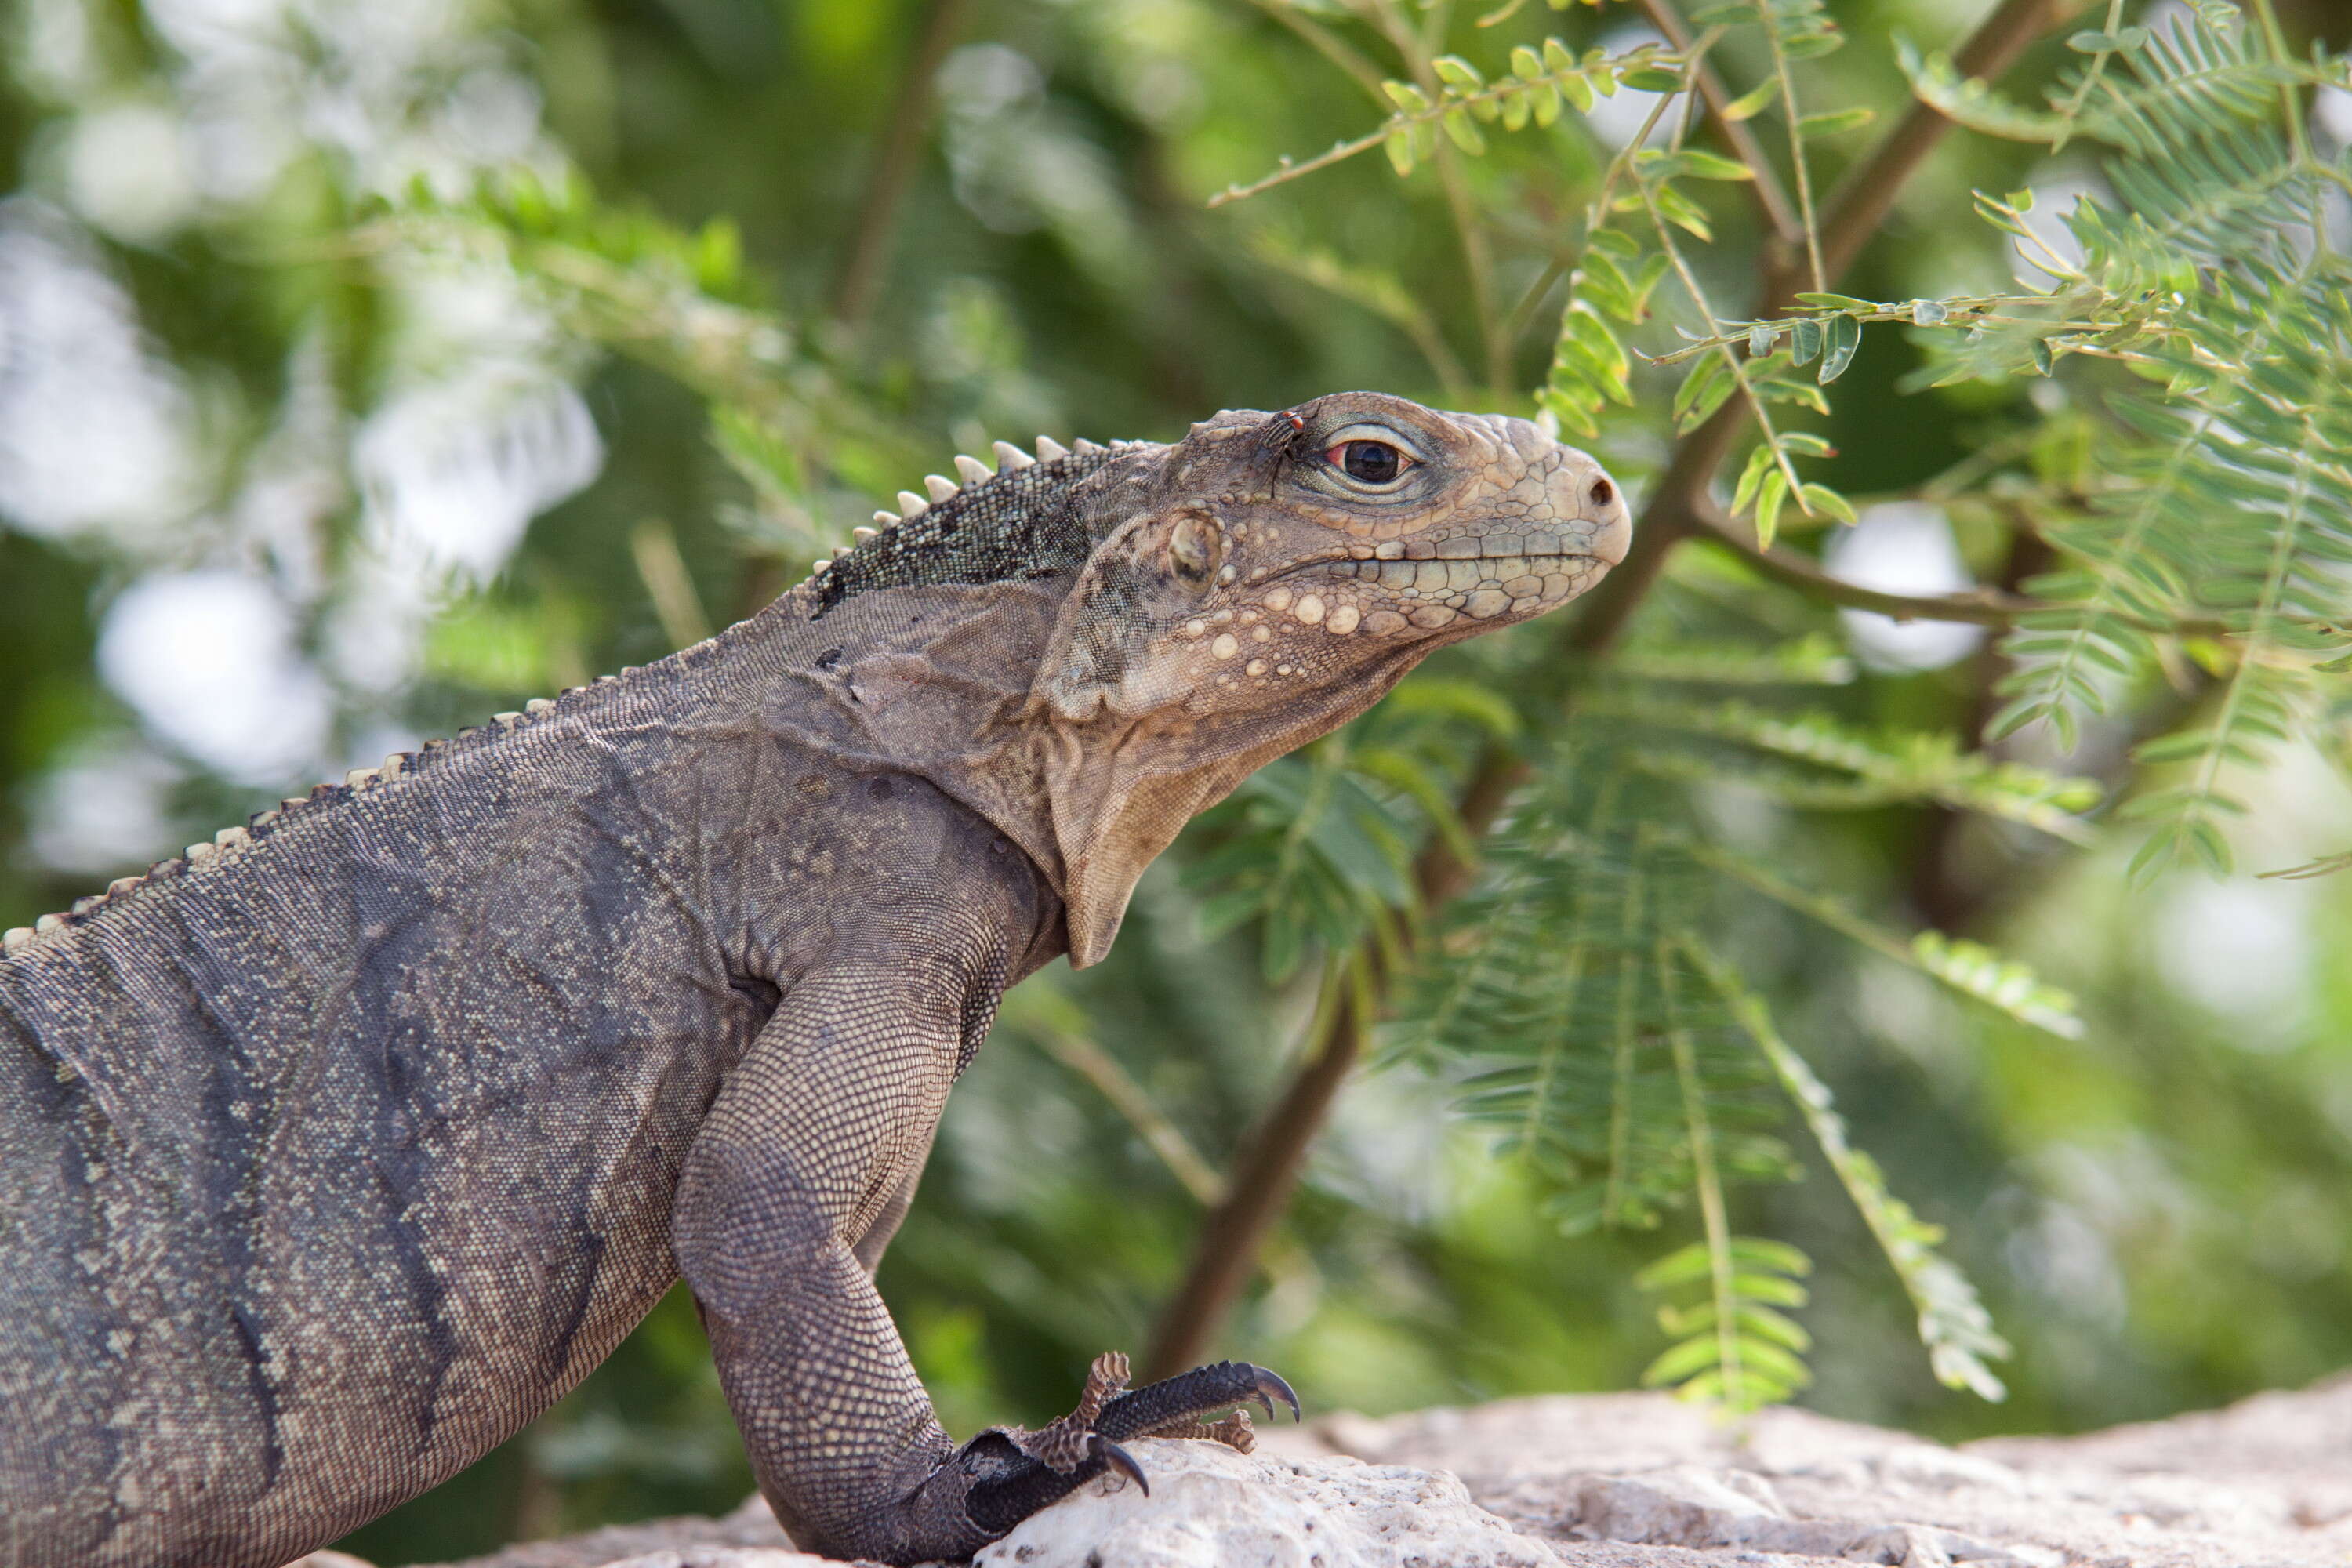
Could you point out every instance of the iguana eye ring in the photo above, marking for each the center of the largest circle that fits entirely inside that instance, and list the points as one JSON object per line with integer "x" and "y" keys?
{"x": 1370, "y": 462}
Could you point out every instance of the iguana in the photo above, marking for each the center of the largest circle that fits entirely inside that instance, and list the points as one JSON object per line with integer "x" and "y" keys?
{"x": 337, "y": 1150}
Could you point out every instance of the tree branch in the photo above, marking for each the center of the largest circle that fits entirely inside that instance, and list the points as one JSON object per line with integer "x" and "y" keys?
{"x": 1224, "y": 1255}
{"x": 859, "y": 281}
{"x": 1980, "y": 606}
{"x": 1271, "y": 1156}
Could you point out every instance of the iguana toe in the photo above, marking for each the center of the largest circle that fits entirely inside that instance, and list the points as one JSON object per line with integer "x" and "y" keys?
{"x": 1185, "y": 1399}
{"x": 1061, "y": 1443}
{"x": 1057, "y": 1458}
{"x": 1234, "y": 1431}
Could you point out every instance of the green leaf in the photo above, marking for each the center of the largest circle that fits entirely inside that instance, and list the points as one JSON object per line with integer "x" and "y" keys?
{"x": 1702, "y": 391}
{"x": 1805, "y": 342}
{"x": 1463, "y": 131}
{"x": 1843, "y": 336}
{"x": 1838, "y": 302}
{"x": 1760, "y": 462}
{"x": 1456, "y": 72}
{"x": 1822, "y": 501}
{"x": 1754, "y": 101}
{"x": 1406, "y": 96}
{"x": 1651, "y": 78}
{"x": 1704, "y": 165}
{"x": 1682, "y": 212}
{"x": 1769, "y": 497}
{"x": 1679, "y": 1267}
{"x": 1953, "y": 1323}
{"x": 1399, "y": 147}
{"x": 1832, "y": 121}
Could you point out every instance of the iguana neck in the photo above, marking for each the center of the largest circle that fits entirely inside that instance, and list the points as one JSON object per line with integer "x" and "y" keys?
{"x": 939, "y": 681}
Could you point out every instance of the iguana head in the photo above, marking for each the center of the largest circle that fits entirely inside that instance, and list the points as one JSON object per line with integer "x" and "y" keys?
{"x": 1267, "y": 578}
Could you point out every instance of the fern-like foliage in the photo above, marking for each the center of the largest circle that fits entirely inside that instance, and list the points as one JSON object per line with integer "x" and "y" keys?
{"x": 2231, "y": 500}
{"x": 1736, "y": 1346}
{"x": 1590, "y": 1013}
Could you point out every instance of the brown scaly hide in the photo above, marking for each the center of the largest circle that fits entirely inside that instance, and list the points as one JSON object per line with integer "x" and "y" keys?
{"x": 337, "y": 1149}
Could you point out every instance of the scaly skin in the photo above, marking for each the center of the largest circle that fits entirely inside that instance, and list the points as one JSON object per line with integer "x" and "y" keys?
{"x": 336, "y": 1154}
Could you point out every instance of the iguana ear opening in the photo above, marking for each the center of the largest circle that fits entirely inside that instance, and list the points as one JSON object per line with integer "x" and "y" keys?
{"x": 1110, "y": 651}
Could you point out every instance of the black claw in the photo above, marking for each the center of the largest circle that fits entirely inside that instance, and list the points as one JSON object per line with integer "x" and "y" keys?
{"x": 1118, "y": 1458}
{"x": 1270, "y": 1386}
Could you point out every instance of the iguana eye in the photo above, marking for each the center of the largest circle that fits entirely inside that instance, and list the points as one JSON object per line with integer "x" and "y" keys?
{"x": 1370, "y": 462}
{"x": 1195, "y": 548}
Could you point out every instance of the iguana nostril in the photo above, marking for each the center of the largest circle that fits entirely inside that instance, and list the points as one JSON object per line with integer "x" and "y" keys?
{"x": 1604, "y": 492}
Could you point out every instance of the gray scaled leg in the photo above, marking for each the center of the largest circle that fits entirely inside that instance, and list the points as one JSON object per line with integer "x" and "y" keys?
{"x": 813, "y": 1144}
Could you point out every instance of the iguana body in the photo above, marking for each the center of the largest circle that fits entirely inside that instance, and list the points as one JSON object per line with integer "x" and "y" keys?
{"x": 336, "y": 1152}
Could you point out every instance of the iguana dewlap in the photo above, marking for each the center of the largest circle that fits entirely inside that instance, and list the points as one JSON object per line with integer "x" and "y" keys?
{"x": 335, "y": 1152}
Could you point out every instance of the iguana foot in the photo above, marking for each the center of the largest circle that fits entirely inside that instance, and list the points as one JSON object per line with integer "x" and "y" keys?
{"x": 1056, "y": 1460}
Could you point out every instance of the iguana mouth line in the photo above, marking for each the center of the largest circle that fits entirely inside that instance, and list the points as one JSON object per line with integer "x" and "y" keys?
{"x": 1349, "y": 564}
{"x": 1352, "y": 562}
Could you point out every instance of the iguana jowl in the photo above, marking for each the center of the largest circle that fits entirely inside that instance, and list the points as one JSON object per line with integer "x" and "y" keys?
{"x": 335, "y": 1152}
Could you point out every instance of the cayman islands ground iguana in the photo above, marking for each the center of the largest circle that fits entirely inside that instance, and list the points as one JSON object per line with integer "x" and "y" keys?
{"x": 334, "y": 1152}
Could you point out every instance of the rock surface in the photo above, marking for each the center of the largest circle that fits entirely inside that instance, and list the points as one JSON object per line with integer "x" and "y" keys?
{"x": 1213, "y": 1507}
{"x": 1640, "y": 1481}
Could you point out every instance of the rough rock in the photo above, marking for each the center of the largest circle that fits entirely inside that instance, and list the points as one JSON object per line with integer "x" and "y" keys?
{"x": 2267, "y": 1483}
{"x": 1640, "y": 1481}
{"x": 1213, "y": 1507}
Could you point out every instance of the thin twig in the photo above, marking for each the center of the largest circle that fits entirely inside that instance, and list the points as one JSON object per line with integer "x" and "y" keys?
{"x": 1789, "y": 113}
{"x": 1731, "y": 361}
{"x": 1477, "y": 256}
{"x": 1331, "y": 46}
{"x": 1786, "y": 225}
{"x": 1161, "y": 1136}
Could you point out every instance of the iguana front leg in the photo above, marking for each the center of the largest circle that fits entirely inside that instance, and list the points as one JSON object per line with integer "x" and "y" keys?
{"x": 805, "y": 1149}
{"x": 808, "y": 1149}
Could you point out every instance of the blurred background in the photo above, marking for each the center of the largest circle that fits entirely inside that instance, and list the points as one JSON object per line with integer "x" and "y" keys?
{"x": 308, "y": 452}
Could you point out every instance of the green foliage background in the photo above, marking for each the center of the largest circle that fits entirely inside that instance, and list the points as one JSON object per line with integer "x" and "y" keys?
{"x": 1752, "y": 876}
